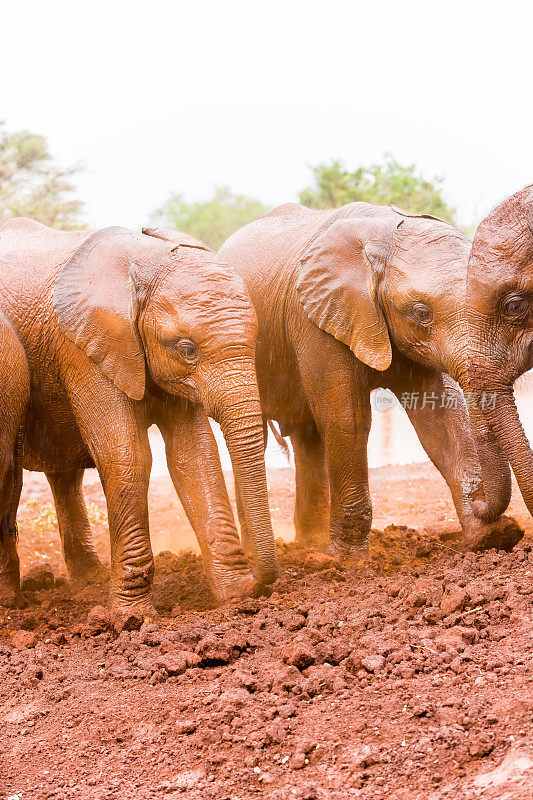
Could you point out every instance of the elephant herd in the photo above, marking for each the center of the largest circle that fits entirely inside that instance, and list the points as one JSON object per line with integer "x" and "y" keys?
{"x": 297, "y": 318}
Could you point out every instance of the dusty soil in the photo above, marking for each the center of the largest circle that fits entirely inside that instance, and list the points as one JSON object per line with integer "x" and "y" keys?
{"x": 405, "y": 676}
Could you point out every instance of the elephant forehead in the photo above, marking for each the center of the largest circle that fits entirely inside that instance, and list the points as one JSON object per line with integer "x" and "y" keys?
{"x": 203, "y": 282}
{"x": 502, "y": 241}
{"x": 430, "y": 277}
{"x": 499, "y": 265}
{"x": 207, "y": 318}
{"x": 203, "y": 302}
{"x": 492, "y": 244}
{"x": 426, "y": 248}
{"x": 426, "y": 242}
{"x": 487, "y": 285}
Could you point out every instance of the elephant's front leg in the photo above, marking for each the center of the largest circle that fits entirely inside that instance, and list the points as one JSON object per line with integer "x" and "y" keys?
{"x": 340, "y": 401}
{"x": 194, "y": 466}
{"x": 439, "y": 415}
{"x": 346, "y": 443}
{"x": 117, "y": 439}
{"x": 74, "y": 528}
{"x": 124, "y": 469}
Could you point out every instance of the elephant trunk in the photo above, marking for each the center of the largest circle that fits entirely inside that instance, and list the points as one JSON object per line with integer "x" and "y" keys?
{"x": 245, "y": 442}
{"x": 500, "y": 415}
{"x": 238, "y": 412}
{"x": 494, "y": 466}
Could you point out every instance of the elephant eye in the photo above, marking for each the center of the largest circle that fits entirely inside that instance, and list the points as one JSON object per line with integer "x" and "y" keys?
{"x": 187, "y": 349}
{"x": 515, "y": 307}
{"x": 422, "y": 313}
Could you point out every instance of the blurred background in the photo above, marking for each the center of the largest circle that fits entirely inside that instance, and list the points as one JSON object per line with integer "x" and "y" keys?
{"x": 202, "y": 116}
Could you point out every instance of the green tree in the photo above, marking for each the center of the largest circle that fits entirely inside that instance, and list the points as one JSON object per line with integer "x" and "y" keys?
{"x": 384, "y": 184}
{"x": 213, "y": 220}
{"x": 31, "y": 185}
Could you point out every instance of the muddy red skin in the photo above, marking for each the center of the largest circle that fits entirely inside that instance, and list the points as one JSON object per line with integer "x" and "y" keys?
{"x": 14, "y": 394}
{"x": 500, "y": 317}
{"x": 347, "y": 301}
{"x": 122, "y": 330}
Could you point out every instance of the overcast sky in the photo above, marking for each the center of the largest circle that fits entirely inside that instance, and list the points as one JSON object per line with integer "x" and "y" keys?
{"x": 155, "y": 96}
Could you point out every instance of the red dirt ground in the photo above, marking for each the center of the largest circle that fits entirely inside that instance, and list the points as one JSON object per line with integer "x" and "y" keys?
{"x": 406, "y": 676}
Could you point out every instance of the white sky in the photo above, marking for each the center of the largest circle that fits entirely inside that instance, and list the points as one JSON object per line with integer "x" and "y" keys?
{"x": 155, "y": 95}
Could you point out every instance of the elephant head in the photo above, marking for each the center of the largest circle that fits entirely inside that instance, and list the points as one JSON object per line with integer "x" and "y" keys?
{"x": 379, "y": 278}
{"x": 500, "y": 321}
{"x": 143, "y": 307}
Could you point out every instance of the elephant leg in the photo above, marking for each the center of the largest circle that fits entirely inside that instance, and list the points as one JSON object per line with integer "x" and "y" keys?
{"x": 117, "y": 440}
{"x": 10, "y": 489}
{"x": 346, "y": 443}
{"x": 74, "y": 528}
{"x": 441, "y": 420}
{"x": 311, "y": 511}
{"x": 124, "y": 468}
{"x": 194, "y": 466}
{"x": 339, "y": 397}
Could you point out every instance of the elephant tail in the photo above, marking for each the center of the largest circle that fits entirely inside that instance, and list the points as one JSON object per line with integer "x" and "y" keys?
{"x": 281, "y": 441}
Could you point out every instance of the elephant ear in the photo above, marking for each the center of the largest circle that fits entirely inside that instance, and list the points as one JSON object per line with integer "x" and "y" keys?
{"x": 336, "y": 289}
{"x": 177, "y": 238}
{"x": 96, "y": 303}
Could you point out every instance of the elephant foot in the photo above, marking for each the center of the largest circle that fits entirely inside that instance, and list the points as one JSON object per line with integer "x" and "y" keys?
{"x": 83, "y": 564}
{"x": 130, "y": 616}
{"x": 502, "y": 534}
{"x": 240, "y": 588}
{"x": 130, "y": 590}
{"x": 82, "y": 574}
{"x": 313, "y": 540}
{"x": 9, "y": 593}
{"x": 348, "y": 550}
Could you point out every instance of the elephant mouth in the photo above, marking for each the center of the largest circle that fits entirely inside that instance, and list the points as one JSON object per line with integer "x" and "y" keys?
{"x": 187, "y": 391}
{"x": 180, "y": 387}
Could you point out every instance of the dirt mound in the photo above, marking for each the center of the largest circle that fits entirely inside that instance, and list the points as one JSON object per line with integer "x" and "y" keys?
{"x": 406, "y": 676}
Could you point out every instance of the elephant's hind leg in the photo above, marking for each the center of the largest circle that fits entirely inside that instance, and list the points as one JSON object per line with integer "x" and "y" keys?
{"x": 80, "y": 556}
{"x": 311, "y": 510}
{"x": 10, "y": 488}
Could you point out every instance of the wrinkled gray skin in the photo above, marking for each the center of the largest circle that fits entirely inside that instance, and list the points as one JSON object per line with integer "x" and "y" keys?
{"x": 14, "y": 394}
{"x": 122, "y": 330}
{"x": 348, "y": 301}
{"x": 500, "y": 321}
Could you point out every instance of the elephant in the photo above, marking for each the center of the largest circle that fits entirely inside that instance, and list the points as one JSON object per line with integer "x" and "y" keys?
{"x": 123, "y": 330}
{"x": 14, "y": 396}
{"x": 500, "y": 314}
{"x": 350, "y": 300}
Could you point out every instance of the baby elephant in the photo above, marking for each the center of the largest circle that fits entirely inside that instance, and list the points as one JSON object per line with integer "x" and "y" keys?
{"x": 14, "y": 393}
{"x": 123, "y": 330}
{"x": 347, "y": 301}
